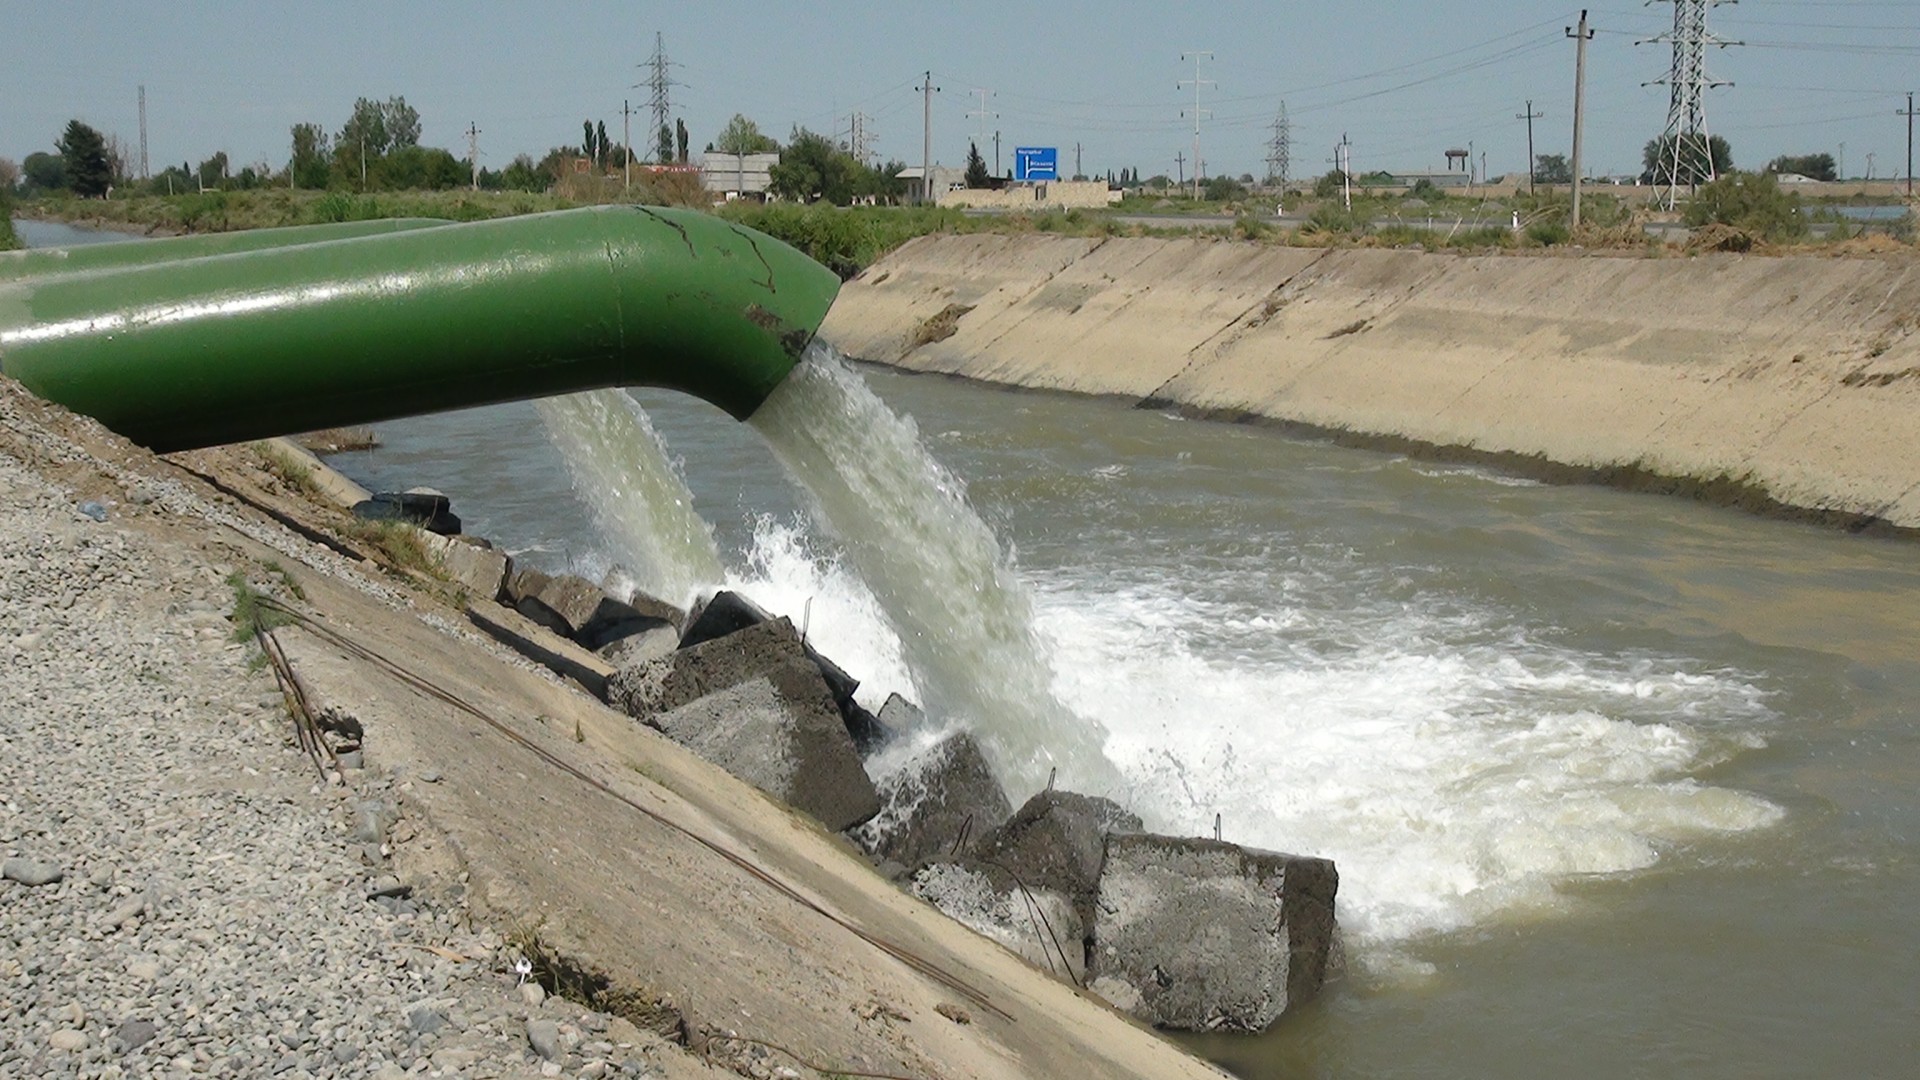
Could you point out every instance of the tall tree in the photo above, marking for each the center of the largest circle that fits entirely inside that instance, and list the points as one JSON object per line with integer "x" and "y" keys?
{"x": 586, "y": 141}
{"x": 1552, "y": 169}
{"x": 308, "y": 167}
{"x": 1811, "y": 166}
{"x": 743, "y": 136}
{"x": 976, "y": 175}
{"x": 83, "y": 154}
{"x": 402, "y": 121}
{"x": 601, "y": 144}
{"x": 680, "y": 139}
{"x": 213, "y": 171}
{"x": 663, "y": 145}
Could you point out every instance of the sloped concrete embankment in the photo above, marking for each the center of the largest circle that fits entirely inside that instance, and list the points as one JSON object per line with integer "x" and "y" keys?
{"x": 1784, "y": 385}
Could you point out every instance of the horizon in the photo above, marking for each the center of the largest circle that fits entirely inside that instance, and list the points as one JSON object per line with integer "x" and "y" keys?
{"x": 1814, "y": 76}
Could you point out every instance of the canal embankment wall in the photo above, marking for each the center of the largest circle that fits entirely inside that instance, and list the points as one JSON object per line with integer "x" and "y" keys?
{"x": 1782, "y": 384}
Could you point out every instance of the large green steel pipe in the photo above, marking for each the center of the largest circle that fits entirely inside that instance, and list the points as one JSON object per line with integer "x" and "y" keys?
{"x": 78, "y": 258}
{"x": 245, "y": 346}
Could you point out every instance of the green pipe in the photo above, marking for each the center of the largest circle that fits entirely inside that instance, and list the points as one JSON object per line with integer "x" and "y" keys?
{"x": 40, "y": 262}
{"x": 223, "y": 349}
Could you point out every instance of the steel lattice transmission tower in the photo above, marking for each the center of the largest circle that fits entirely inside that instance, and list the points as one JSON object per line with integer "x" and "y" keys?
{"x": 1280, "y": 149}
{"x": 659, "y": 83}
{"x": 1686, "y": 147}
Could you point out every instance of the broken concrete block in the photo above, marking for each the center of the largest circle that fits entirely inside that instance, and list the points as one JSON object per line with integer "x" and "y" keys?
{"x": 542, "y": 646}
{"x": 781, "y": 732}
{"x": 633, "y": 650}
{"x": 1038, "y": 923}
{"x": 470, "y": 563}
{"x": 898, "y": 715}
{"x": 724, "y": 613}
{"x": 668, "y": 682}
{"x": 934, "y": 804}
{"x": 1058, "y": 839}
{"x": 575, "y": 608}
{"x": 1202, "y": 935}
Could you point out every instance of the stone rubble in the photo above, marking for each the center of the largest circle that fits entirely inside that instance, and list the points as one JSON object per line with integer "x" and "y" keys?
{"x": 182, "y": 893}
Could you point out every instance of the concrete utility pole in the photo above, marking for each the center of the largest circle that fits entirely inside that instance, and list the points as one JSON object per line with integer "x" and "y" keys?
{"x": 1908, "y": 113}
{"x": 1077, "y": 170}
{"x": 1343, "y": 160}
{"x": 1580, "y": 38}
{"x": 1532, "y": 170}
{"x": 1199, "y": 114}
{"x": 927, "y": 90}
{"x": 996, "y": 154}
{"x": 473, "y": 152}
{"x": 1180, "y": 170}
{"x": 626, "y": 138}
{"x": 143, "y": 134}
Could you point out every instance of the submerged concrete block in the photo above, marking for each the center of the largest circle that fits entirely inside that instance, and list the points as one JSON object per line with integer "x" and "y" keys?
{"x": 781, "y": 732}
{"x": 932, "y": 805}
{"x": 1202, "y": 935}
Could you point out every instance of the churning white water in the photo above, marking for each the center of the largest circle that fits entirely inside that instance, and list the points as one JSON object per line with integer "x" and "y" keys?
{"x": 963, "y": 618}
{"x": 1455, "y": 760}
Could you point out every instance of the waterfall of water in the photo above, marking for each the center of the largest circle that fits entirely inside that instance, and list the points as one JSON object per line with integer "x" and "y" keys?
{"x": 640, "y": 502}
{"x": 965, "y": 620}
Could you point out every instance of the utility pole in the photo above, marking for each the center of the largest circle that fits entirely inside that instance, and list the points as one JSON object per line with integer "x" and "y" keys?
{"x": 1870, "y": 156}
{"x": 927, "y": 90}
{"x": 1840, "y": 166}
{"x": 1180, "y": 170}
{"x": 1280, "y": 149}
{"x": 1199, "y": 114}
{"x": 1530, "y": 116}
{"x": 626, "y": 138}
{"x": 1077, "y": 170}
{"x": 1908, "y": 113}
{"x": 473, "y": 151}
{"x": 1343, "y": 160}
{"x": 143, "y": 133}
{"x": 1580, "y": 38}
{"x": 1686, "y": 145}
{"x": 996, "y": 153}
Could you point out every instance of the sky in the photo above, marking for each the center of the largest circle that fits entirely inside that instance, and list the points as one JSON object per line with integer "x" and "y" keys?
{"x": 1403, "y": 82}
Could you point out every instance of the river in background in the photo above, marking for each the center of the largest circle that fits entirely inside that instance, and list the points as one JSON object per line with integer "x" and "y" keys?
{"x": 1618, "y": 785}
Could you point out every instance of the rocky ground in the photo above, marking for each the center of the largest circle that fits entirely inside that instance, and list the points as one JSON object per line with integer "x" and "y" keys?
{"x": 184, "y": 892}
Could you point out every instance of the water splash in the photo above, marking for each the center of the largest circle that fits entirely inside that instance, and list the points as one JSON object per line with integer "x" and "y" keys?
{"x": 640, "y": 502}
{"x": 964, "y": 619}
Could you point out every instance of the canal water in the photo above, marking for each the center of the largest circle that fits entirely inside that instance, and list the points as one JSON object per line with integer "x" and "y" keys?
{"x": 1618, "y": 785}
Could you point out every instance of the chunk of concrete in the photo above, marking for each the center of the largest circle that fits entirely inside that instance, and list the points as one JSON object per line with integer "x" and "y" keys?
{"x": 934, "y": 803}
{"x": 1202, "y": 935}
{"x": 542, "y": 646}
{"x": 1058, "y": 840}
{"x": 670, "y": 681}
{"x": 1038, "y": 923}
{"x": 899, "y": 716}
{"x": 781, "y": 732}
{"x": 725, "y": 612}
{"x": 422, "y": 506}
{"x": 575, "y": 608}
{"x": 470, "y": 563}
{"x": 633, "y": 650}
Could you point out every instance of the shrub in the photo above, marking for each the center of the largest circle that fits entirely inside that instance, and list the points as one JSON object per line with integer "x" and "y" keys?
{"x": 1549, "y": 233}
{"x": 1750, "y": 202}
{"x": 1331, "y": 218}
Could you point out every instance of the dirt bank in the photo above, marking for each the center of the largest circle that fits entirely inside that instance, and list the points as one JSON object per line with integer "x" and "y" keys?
{"x": 1784, "y": 385}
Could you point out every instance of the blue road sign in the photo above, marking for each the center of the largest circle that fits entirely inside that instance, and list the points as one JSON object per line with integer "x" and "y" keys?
{"x": 1036, "y": 163}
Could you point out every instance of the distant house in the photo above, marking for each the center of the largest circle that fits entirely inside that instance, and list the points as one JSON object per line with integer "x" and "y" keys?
{"x": 737, "y": 176}
{"x": 944, "y": 180}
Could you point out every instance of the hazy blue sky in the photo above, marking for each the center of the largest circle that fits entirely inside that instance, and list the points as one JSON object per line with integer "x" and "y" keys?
{"x": 1403, "y": 80}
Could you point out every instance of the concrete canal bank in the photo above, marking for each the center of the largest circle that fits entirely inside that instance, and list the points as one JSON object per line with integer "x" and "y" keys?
{"x": 1785, "y": 385}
